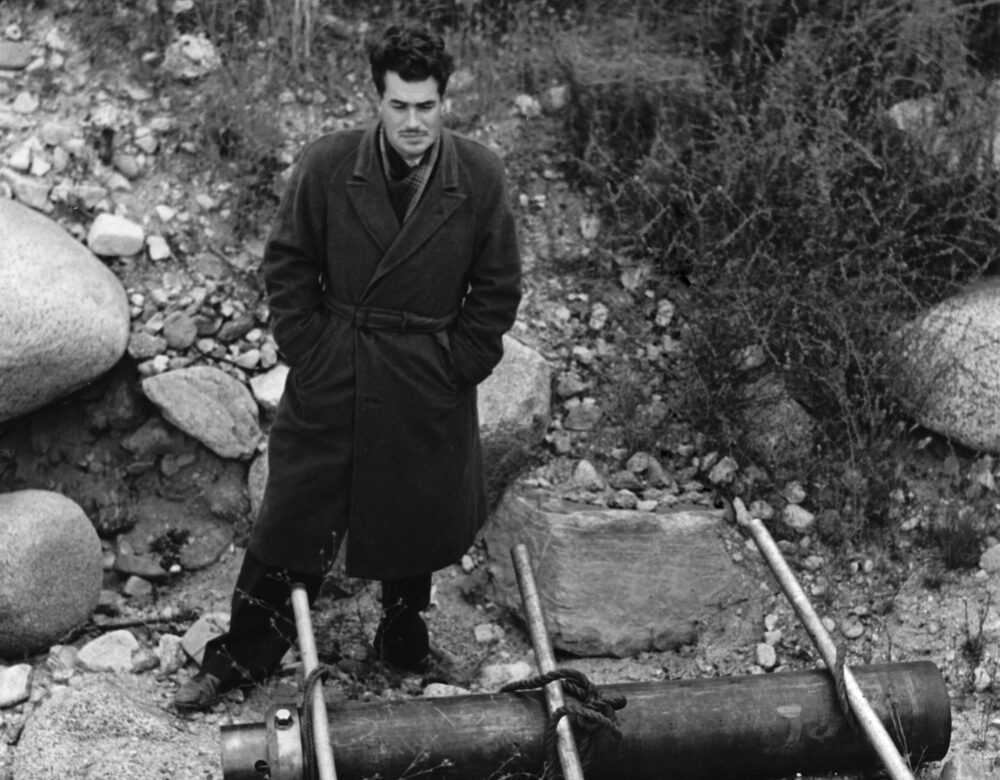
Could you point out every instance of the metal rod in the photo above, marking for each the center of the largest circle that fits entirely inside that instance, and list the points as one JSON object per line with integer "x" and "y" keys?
{"x": 310, "y": 661}
{"x": 569, "y": 758}
{"x": 891, "y": 758}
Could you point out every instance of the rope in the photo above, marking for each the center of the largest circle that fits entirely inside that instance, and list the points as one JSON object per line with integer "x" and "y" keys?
{"x": 589, "y": 711}
{"x": 313, "y": 679}
{"x": 841, "y": 687}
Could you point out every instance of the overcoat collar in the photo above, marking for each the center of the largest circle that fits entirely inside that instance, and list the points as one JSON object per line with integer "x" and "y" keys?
{"x": 367, "y": 191}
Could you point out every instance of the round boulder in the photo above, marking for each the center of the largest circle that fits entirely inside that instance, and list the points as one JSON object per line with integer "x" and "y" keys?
{"x": 947, "y": 368}
{"x": 50, "y": 570}
{"x": 64, "y": 316}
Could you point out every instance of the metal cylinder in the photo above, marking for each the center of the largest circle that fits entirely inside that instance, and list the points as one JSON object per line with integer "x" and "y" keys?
{"x": 757, "y": 726}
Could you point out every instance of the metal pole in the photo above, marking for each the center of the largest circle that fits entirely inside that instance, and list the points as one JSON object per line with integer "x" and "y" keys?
{"x": 569, "y": 758}
{"x": 784, "y": 724}
{"x": 310, "y": 661}
{"x": 869, "y": 721}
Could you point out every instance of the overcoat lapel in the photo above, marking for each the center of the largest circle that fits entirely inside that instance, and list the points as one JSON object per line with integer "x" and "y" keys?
{"x": 441, "y": 199}
{"x": 368, "y": 192}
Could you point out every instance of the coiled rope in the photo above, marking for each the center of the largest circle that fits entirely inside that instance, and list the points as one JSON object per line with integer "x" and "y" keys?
{"x": 590, "y": 713}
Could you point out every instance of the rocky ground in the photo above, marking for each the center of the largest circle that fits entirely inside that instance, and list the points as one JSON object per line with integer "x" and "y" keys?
{"x": 887, "y": 596}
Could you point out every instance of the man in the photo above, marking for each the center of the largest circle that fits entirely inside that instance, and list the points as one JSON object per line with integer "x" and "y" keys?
{"x": 392, "y": 273}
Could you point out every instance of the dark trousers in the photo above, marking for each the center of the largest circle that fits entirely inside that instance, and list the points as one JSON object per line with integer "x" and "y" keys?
{"x": 262, "y": 621}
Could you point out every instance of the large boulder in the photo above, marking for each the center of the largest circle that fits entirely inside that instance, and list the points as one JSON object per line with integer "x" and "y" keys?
{"x": 112, "y": 725}
{"x": 209, "y": 405}
{"x": 517, "y": 391}
{"x": 613, "y": 581}
{"x": 948, "y": 368}
{"x": 64, "y": 318}
{"x": 50, "y": 570}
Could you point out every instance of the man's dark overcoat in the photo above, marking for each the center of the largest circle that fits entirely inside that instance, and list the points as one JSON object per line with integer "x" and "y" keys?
{"x": 387, "y": 330}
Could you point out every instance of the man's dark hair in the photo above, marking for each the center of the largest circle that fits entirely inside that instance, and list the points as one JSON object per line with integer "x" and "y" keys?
{"x": 414, "y": 53}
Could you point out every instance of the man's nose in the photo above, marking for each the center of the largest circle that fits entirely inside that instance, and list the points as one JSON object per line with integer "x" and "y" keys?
{"x": 411, "y": 118}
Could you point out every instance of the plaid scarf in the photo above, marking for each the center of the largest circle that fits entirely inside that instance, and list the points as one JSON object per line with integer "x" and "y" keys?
{"x": 416, "y": 180}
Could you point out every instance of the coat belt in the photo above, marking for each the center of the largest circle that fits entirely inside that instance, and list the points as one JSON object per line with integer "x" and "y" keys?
{"x": 370, "y": 318}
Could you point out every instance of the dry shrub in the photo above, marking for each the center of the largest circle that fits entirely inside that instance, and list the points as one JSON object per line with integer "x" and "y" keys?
{"x": 804, "y": 224}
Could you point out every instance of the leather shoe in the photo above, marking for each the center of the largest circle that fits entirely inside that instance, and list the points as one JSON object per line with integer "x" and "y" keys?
{"x": 199, "y": 693}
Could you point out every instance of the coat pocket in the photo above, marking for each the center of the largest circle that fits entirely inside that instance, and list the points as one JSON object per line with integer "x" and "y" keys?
{"x": 443, "y": 341}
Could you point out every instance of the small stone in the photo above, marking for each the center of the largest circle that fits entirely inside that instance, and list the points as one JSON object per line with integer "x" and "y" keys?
{"x": 981, "y": 680}
{"x": 138, "y": 589}
{"x": 20, "y": 158}
{"x": 761, "y": 510}
{"x": 794, "y": 493}
{"x": 111, "y": 652}
{"x": 488, "y": 633}
{"x": 127, "y": 165}
{"x": 157, "y": 248}
{"x": 145, "y": 139}
{"x": 989, "y": 561}
{"x": 664, "y": 313}
{"x": 180, "y": 330}
{"x": 528, "y": 106}
{"x": 115, "y": 236}
{"x": 249, "y": 359}
{"x": 165, "y": 213}
{"x": 625, "y": 480}
{"x": 724, "y": 471}
{"x": 765, "y": 656}
{"x": 623, "y": 499}
{"x": 443, "y": 690}
{"x": 797, "y": 518}
{"x": 61, "y": 662}
{"x": 205, "y": 628}
{"x": 583, "y": 417}
{"x": 468, "y": 564}
{"x": 851, "y": 628}
{"x": 25, "y": 103}
{"x": 598, "y": 316}
{"x": 495, "y": 676}
{"x": 15, "y": 684}
{"x": 586, "y": 476}
{"x": 170, "y": 653}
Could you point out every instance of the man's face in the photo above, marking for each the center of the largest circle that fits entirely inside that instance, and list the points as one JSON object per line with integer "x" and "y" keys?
{"x": 411, "y": 115}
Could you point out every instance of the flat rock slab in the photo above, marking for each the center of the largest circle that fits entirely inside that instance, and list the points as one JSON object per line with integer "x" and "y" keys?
{"x": 210, "y": 406}
{"x": 159, "y": 519}
{"x": 116, "y": 726}
{"x": 613, "y": 581}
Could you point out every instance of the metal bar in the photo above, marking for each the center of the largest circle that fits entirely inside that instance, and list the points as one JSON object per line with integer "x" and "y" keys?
{"x": 310, "y": 661}
{"x": 717, "y": 728}
{"x": 869, "y": 721}
{"x": 569, "y": 758}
